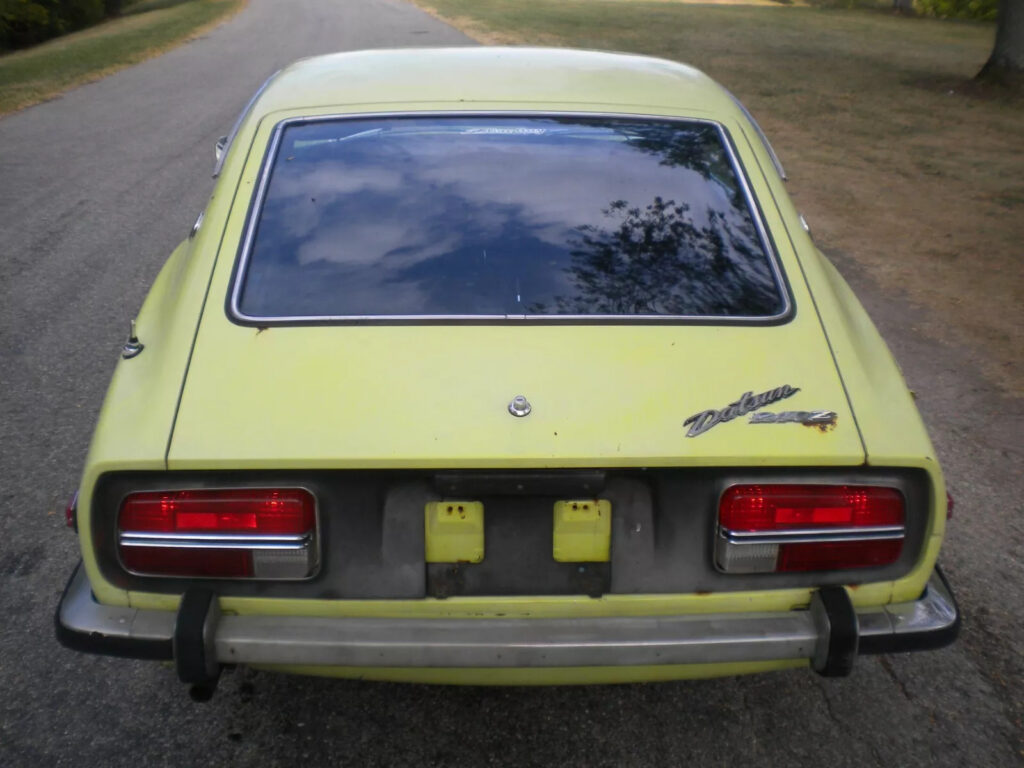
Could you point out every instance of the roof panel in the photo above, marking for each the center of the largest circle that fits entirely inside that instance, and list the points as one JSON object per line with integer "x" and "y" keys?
{"x": 473, "y": 75}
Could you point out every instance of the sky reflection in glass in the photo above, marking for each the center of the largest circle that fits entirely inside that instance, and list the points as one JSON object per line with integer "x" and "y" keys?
{"x": 505, "y": 216}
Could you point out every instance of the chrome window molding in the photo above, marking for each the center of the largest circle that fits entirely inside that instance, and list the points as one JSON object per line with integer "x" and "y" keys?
{"x": 236, "y": 315}
{"x": 764, "y": 139}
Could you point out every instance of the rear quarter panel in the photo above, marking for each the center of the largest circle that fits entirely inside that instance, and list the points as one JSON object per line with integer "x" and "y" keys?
{"x": 135, "y": 422}
{"x": 890, "y": 425}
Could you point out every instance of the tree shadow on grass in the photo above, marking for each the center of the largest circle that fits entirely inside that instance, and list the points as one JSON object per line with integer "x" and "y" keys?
{"x": 981, "y": 89}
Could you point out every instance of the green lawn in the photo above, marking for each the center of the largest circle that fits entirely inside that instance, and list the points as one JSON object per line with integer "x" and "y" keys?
{"x": 34, "y": 75}
{"x": 901, "y": 164}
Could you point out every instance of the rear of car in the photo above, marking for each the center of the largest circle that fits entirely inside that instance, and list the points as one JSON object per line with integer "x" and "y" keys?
{"x": 508, "y": 380}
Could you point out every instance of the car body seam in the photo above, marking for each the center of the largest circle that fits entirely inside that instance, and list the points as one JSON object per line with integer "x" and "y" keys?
{"x": 202, "y": 310}
{"x": 814, "y": 301}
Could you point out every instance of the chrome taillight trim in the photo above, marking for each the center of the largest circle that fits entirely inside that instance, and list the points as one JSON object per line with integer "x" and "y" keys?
{"x": 746, "y": 552}
{"x": 268, "y": 544}
{"x": 300, "y": 552}
{"x": 289, "y": 542}
{"x": 813, "y": 535}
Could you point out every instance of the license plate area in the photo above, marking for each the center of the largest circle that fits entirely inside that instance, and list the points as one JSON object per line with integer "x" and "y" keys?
{"x": 521, "y": 536}
{"x": 582, "y": 531}
{"x": 454, "y": 531}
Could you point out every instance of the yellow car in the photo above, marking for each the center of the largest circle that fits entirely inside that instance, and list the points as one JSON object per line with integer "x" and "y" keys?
{"x": 504, "y": 366}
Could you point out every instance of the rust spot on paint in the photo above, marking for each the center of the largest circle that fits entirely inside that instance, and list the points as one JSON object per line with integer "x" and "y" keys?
{"x": 828, "y": 427}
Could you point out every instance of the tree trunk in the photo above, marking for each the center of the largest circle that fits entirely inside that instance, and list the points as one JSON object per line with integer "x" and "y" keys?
{"x": 906, "y": 7}
{"x": 1006, "y": 64}
{"x": 112, "y": 7}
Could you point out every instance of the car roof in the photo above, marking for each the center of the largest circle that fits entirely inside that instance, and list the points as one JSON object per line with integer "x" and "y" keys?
{"x": 493, "y": 75}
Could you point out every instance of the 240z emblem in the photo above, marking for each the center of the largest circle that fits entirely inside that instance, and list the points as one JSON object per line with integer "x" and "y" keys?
{"x": 808, "y": 418}
{"x": 705, "y": 420}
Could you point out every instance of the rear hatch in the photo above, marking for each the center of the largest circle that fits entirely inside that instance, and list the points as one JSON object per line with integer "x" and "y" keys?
{"x": 402, "y": 280}
{"x": 438, "y": 396}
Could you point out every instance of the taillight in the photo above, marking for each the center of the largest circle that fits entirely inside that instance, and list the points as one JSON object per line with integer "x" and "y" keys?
{"x": 71, "y": 513}
{"x": 260, "y": 533}
{"x": 772, "y": 528}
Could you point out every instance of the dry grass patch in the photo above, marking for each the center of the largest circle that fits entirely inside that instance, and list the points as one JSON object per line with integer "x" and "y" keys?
{"x": 898, "y": 160}
{"x": 40, "y": 73}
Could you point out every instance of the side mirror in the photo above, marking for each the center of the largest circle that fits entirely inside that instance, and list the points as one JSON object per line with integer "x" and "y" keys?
{"x": 219, "y": 147}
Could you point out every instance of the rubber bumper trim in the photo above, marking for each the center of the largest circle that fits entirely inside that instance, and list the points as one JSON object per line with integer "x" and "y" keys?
{"x": 194, "y": 630}
{"x": 837, "y": 624}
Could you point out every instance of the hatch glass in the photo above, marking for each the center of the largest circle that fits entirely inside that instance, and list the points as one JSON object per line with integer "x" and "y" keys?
{"x": 470, "y": 217}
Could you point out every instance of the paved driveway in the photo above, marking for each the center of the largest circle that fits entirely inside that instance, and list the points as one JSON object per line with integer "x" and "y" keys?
{"x": 95, "y": 190}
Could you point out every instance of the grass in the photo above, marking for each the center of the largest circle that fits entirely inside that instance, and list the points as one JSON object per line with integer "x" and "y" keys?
{"x": 902, "y": 165}
{"x": 149, "y": 28}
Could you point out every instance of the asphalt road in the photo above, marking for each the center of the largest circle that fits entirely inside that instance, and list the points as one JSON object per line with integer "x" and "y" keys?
{"x": 98, "y": 186}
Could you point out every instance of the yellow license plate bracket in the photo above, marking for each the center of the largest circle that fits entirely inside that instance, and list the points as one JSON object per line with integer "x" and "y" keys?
{"x": 454, "y": 531}
{"x": 582, "y": 531}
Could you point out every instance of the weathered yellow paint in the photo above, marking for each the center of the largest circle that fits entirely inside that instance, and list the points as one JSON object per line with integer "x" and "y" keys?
{"x": 137, "y": 414}
{"x": 530, "y": 607}
{"x": 454, "y": 531}
{"x": 135, "y": 422}
{"x": 582, "y": 531}
{"x": 464, "y": 78}
{"x": 890, "y": 426}
{"x": 383, "y": 384}
{"x": 546, "y": 675}
{"x": 886, "y": 415}
{"x": 364, "y": 397}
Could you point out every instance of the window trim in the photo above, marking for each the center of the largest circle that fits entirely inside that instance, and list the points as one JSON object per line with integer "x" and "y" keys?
{"x": 241, "y": 262}
{"x": 764, "y": 139}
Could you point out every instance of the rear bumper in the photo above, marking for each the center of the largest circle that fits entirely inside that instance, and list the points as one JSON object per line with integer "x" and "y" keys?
{"x": 829, "y": 634}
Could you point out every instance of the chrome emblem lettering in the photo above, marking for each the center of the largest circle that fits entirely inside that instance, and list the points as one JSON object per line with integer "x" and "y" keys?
{"x": 810, "y": 418}
{"x": 705, "y": 420}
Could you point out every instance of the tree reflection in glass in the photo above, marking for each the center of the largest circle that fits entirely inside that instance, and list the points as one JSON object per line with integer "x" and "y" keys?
{"x": 657, "y": 261}
{"x": 505, "y": 216}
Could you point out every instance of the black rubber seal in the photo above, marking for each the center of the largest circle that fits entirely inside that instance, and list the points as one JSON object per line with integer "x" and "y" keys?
{"x": 928, "y": 640}
{"x": 189, "y": 644}
{"x": 842, "y": 635}
{"x": 105, "y": 645}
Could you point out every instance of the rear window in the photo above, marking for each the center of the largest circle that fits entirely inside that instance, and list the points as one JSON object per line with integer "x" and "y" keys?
{"x": 503, "y": 218}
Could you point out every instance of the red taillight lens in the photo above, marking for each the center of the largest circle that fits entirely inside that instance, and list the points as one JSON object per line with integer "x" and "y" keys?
{"x": 781, "y": 507}
{"x": 227, "y": 533}
{"x": 833, "y": 555}
{"x": 765, "y": 528}
{"x": 196, "y": 563}
{"x": 71, "y": 512}
{"x": 237, "y": 510}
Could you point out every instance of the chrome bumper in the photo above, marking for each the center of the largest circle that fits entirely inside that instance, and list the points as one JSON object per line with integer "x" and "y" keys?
{"x": 929, "y": 622}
